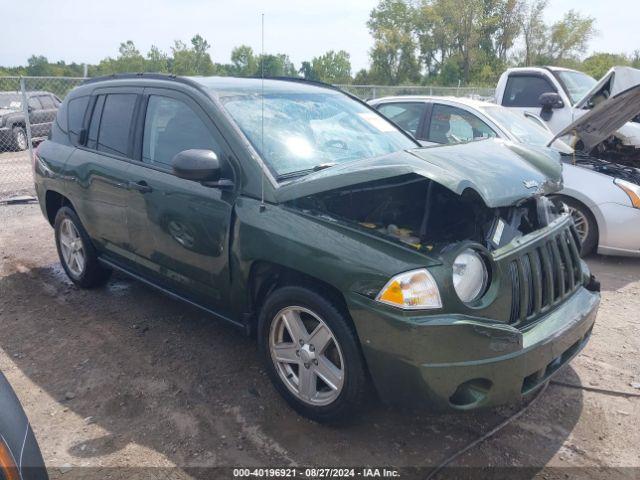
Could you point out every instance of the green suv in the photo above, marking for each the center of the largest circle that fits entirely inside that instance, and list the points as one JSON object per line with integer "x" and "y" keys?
{"x": 361, "y": 262}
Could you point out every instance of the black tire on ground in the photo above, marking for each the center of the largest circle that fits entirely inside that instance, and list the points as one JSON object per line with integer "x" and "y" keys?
{"x": 581, "y": 213}
{"x": 19, "y": 137}
{"x": 93, "y": 274}
{"x": 355, "y": 383}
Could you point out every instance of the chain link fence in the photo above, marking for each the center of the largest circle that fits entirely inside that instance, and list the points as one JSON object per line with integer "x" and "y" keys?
{"x": 28, "y": 107}
{"x": 369, "y": 92}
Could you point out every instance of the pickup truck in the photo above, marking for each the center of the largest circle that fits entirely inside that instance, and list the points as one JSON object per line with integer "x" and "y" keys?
{"x": 560, "y": 96}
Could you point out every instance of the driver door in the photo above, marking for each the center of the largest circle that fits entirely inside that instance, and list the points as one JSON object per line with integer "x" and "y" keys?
{"x": 179, "y": 229}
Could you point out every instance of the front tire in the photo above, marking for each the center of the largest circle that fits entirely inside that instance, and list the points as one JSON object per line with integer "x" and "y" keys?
{"x": 585, "y": 224}
{"x": 77, "y": 254}
{"x": 312, "y": 354}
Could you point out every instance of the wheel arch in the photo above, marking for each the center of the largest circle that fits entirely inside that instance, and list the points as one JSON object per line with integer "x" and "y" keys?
{"x": 595, "y": 213}
{"x": 265, "y": 277}
{"x": 54, "y": 201}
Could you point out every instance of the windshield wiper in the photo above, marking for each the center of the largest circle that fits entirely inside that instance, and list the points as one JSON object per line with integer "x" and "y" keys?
{"x": 306, "y": 171}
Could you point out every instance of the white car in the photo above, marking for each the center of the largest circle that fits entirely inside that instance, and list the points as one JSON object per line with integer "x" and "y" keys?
{"x": 560, "y": 96}
{"x": 604, "y": 198}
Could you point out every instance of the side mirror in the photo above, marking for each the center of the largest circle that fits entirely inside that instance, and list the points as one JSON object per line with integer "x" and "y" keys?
{"x": 197, "y": 165}
{"x": 200, "y": 166}
{"x": 550, "y": 100}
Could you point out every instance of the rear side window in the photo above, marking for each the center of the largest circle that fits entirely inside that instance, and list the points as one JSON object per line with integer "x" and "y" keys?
{"x": 406, "y": 115}
{"x": 525, "y": 90}
{"x": 171, "y": 126}
{"x": 46, "y": 101}
{"x": 115, "y": 123}
{"x": 75, "y": 108}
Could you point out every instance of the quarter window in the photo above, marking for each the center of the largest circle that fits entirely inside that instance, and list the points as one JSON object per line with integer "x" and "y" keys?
{"x": 76, "y": 108}
{"x": 406, "y": 115}
{"x": 171, "y": 127}
{"x": 454, "y": 125}
{"x": 94, "y": 124}
{"x": 525, "y": 91}
{"x": 115, "y": 124}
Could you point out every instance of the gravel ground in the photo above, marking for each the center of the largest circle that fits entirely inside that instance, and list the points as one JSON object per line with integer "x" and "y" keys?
{"x": 126, "y": 377}
{"x": 16, "y": 177}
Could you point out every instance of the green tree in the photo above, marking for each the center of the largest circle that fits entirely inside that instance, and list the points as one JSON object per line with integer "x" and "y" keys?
{"x": 243, "y": 61}
{"x": 599, "y": 63}
{"x": 157, "y": 61}
{"x": 570, "y": 36}
{"x": 194, "y": 60}
{"x": 332, "y": 67}
{"x": 534, "y": 31}
{"x": 38, "y": 65}
{"x": 394, "y": 57}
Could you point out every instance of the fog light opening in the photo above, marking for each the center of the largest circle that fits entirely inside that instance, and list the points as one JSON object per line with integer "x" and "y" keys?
{"x": 471, "y": 393}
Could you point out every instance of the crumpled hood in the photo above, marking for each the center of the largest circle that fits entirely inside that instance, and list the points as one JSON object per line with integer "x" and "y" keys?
{"x": 501, "y": 172}
{"x": 600, "y": 122}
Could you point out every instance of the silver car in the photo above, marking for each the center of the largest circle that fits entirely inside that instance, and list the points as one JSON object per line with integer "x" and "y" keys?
{"x": 604, "y": 197}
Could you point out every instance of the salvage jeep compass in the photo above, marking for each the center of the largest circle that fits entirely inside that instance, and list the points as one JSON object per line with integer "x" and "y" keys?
{"x": 439, "y": 276}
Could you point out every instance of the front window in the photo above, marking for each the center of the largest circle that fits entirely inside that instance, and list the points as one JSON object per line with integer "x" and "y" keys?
{"x": 576, "y": 84}
{"x": 10, "y": 101}
{"x": 297, "y": 132}
{"x": 454, "y": 125}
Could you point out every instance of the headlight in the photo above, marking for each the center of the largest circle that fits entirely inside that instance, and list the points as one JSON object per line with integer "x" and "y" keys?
{"x": 630, "y": 189}
{"x": 470, "y": 276}
{"x": 413, "y": 290}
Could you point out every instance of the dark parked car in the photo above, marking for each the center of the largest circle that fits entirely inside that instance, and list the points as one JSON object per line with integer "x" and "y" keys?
{"x": 443, "y": 276}
{"x": 42, "y": 107}
{"x": 20, "y": 457}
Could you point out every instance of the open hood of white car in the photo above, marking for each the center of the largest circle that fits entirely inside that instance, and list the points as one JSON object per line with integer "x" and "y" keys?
{"x": 619, "y": 102}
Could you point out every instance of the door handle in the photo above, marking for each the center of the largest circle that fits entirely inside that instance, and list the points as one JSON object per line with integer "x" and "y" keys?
{"x": 140, "y": 186}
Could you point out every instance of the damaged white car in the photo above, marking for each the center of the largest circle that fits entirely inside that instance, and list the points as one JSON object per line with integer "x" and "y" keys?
{"x": 603, "y": 197}
{"x": 560, "y": 96}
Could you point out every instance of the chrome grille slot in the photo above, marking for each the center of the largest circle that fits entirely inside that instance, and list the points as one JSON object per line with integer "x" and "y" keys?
{"x": 544, "y": 275}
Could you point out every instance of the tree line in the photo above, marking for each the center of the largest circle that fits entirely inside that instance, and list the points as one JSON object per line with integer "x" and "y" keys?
{"x": 430, "y": 42}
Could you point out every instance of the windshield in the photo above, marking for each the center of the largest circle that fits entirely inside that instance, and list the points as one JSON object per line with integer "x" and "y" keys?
{"x": 305, "y": 131}
{"x": 523, "y": 129}
{"x": 10, "y": 101}
{"x": 577, "y": 84}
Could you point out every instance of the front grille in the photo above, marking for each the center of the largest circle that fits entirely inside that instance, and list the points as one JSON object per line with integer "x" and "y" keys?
{"x": 542, "y": 277}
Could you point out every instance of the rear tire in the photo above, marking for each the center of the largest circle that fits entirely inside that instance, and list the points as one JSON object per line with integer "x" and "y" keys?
{"x": 323, "y": 375}
{"x": 19, "y": 136}
{"x": 585, "y": 224}
{"x": 77, "y": 254}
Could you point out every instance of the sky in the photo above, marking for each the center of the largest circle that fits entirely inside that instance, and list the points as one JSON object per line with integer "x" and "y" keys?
{"x": 89, "y": 30}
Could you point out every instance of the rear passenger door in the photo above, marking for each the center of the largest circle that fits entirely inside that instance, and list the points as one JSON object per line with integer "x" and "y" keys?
{"x": 100, "y": 166}
{"x": 179, "y": 229}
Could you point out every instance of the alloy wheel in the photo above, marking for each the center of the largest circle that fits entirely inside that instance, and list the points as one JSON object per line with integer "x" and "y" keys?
{"x": 581, "y": 223}
{"x": 307, "y": 356}
{"x": 21, "y": 139}
{"x": 72, "y": 248}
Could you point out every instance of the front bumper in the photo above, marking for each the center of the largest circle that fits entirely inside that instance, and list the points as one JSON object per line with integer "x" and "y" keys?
{"x": 457, "y": 362}
{"x": 619, "y": 227}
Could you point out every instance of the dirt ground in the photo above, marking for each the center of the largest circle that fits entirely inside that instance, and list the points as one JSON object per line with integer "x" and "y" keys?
{"x": 124, "y": 376}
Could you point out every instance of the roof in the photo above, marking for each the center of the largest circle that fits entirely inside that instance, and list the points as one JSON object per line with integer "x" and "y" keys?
{"x": 218, "y": 84}
{"x": 235, "y": 85}
{"x": 433, "y": 98}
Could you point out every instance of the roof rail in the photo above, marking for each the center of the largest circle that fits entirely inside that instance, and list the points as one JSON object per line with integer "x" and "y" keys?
{"x": 149, "y": 75}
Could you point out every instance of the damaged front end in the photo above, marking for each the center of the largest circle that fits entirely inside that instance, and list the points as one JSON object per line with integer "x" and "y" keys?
{"x": 422, "y": 214}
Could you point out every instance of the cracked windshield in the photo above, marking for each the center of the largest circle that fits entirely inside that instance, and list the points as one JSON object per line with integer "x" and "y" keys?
{"x": 304, "y": 132}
